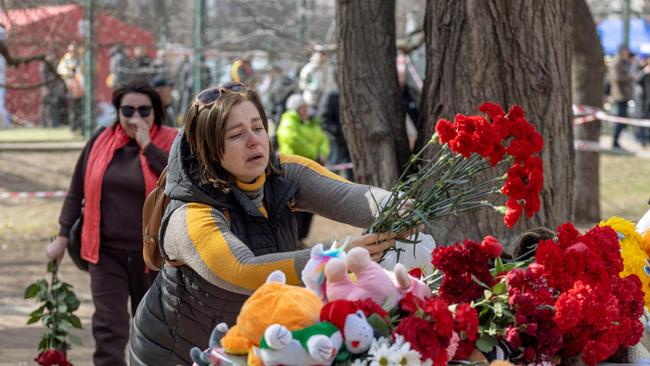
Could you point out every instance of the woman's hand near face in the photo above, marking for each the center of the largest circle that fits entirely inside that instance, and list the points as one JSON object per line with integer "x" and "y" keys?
{"x": 142, "y": 133}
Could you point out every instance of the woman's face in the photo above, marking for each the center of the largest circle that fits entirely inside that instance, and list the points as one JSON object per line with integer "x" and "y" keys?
{"x": 135, "y": 110}
{"x": 246, "y": 143}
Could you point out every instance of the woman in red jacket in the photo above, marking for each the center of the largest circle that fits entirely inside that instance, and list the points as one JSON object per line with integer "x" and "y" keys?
{"x": 122, "y": 163}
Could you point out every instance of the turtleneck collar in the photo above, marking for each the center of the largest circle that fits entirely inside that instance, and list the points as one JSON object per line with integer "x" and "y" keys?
{"x": 256, "y": 185}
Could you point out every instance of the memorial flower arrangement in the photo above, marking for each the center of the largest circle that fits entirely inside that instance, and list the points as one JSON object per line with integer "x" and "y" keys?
{"x": 568, "y": 297}
{"x": 57, "y": 306}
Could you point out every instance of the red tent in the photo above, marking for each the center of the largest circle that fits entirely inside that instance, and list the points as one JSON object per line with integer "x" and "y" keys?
{"x": 49, "y": 30}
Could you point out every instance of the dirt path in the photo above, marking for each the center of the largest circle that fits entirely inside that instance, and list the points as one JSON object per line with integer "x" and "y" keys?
{"x": 25, "y": 226}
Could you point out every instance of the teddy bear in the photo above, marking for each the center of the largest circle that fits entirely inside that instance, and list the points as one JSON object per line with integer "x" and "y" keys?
{"x": 315, "y": 345}
{"x": 372, "y": 281}
{"x": 275, "y": 302}
{"x": 357, "y": 333}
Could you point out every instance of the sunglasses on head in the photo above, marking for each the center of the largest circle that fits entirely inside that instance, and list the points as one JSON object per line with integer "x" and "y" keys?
{"x": 128, "y": 111}
{"x": 210, "y": 95}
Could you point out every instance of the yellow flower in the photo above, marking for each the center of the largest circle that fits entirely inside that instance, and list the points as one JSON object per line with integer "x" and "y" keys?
{"x": 635, "y": 251}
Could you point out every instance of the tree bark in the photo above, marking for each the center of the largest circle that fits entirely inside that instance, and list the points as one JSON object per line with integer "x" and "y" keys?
{"x": 372, "y": 115}
{"x": 588, "y": 72}
{"x": 508, "y": 52}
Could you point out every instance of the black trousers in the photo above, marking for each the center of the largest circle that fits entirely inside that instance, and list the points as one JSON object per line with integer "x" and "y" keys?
{"x": 118, "y": 275}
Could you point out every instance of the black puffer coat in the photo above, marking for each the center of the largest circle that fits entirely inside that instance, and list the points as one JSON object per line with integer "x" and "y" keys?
{"x": 181, "y": 308}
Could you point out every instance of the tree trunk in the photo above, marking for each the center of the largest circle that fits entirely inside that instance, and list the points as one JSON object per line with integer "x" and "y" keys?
{"x": 588, "y": 72}
{"x": 508, "y": 52}
{"x": 371, "y": 111}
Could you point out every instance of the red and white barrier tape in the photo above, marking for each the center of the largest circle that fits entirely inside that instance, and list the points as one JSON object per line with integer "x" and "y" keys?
{"x": 586, "y": 114}
{"x": 42, "y": 194}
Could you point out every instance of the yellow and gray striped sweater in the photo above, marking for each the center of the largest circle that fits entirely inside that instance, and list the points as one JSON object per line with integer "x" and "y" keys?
{"x": 199, "y": 235}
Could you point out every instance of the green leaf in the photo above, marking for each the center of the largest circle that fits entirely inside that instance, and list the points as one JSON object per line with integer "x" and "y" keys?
{"x": 72, "y": 302}
{"x": 500, "y": 288}
{"x": 32, "y": 290}
{"x": 75, "y": 321}
{"x": 379, "y": 325}
{"x": 62, "y": 308}
{"x": 33, "y": 318}
{"x": 74, "y": 340}
{"x": 498, "y": 265}
{"x": 486, "y": 343}
{"x": 42, "y": 345}
{"x": 57, "y": 285}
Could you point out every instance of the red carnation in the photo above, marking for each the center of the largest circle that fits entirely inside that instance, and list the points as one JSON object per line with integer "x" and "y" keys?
{"x": 416, "y": 272}
{"x": 445, "y": 131}
{"x": 491, "y": 246}
{"x": 466, "y": 319}
{"x": 369, "y": 307}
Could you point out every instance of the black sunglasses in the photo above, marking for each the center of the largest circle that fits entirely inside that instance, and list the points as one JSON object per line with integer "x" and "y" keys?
{"x": 143, "y": 110}
{"x": 210, "y": 95}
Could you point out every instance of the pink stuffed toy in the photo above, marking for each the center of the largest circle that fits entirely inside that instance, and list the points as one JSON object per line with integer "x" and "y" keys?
{"x": 371, "y": 280}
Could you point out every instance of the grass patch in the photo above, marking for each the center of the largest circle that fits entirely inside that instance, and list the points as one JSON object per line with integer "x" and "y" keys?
{"x": 624, "y": 186}
{"x": 38, "y": 134}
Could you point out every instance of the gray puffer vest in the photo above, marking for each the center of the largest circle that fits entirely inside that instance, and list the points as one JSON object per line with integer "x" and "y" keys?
{"x": 181, "y": 308}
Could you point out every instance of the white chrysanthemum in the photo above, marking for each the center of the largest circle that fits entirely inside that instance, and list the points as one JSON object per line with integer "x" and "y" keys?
{"x": 403, "y": 354}
{"x": 407, "y": 357}
{"x": 377, "y": 343}
{"x": 359, "y": 362}
{"x": 381, "y": 353}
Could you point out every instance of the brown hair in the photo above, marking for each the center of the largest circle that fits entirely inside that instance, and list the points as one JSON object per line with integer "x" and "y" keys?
{"x": 205, "y": 130}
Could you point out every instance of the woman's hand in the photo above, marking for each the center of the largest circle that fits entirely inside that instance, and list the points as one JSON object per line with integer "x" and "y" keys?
{"x": 56, "y": 248}
{"x": 375, "y": 243}
{"x": 142, "y": 133}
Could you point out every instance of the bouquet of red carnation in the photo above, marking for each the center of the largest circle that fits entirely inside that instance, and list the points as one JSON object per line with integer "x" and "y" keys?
{"x": 451, "y": 183}
{"x": 570, "y": 301}
{"x": 59, "y": 303}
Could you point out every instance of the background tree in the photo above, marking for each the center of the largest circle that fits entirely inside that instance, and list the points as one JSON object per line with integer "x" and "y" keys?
{"x": 587, "y": 71}
{"x": 371, "y": 110}
{"x": 507, "y": 52}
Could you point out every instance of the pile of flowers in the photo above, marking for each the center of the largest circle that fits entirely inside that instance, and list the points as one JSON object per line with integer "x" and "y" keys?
{"x": 57, "y": 306}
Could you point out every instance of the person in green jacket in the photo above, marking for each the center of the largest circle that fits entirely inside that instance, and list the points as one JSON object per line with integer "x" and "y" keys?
{"x": 298, "y": 134}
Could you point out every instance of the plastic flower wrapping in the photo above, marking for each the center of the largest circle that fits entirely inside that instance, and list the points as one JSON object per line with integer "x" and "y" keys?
{"x": 566, "y": 296}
